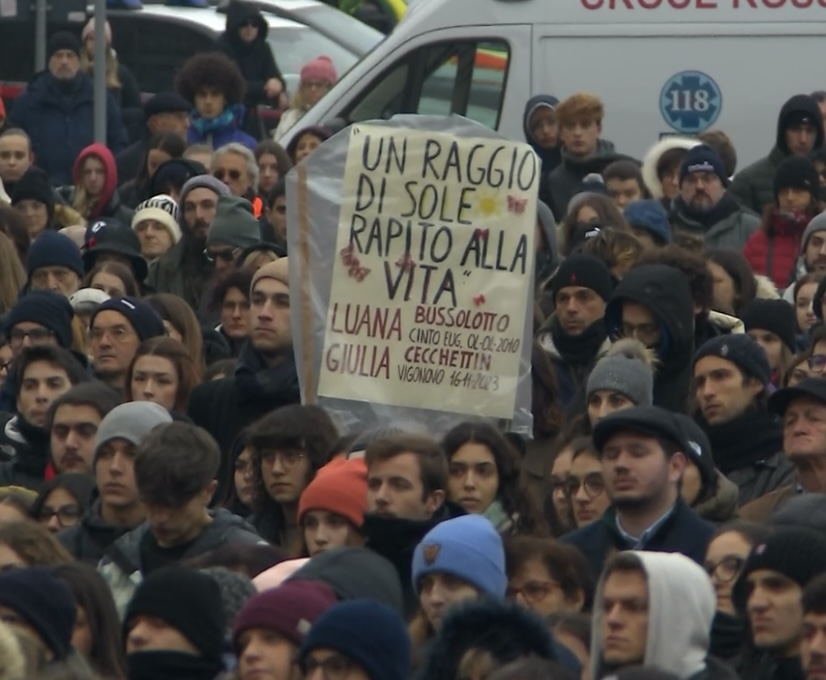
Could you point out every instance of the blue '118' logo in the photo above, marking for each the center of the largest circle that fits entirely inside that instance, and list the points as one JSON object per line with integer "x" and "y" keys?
{"x": 690, "y": 102}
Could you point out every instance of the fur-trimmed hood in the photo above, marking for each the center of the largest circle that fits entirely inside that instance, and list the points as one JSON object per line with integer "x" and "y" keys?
{"x": 725, "y": 322}
{"x": 766, "y": 290}
{"x": 652, "y": 157}
{"x": 506, "y": 630}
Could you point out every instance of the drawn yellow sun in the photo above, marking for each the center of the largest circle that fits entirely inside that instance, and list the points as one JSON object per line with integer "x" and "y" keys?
{"x": 487, "y": 204}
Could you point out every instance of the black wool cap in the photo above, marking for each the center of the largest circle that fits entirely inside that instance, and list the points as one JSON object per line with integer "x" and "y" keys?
{"x": 63, "y": 40}
{"x": 742, "y": 351}
{"x": 797, "y": 172}
{"x": 585, "y": 271}
{"x": 653, "y": 421}
{"x": 775, "y": 316}
{"x": 166, "y": 102}
{"x": 187, "y": 600}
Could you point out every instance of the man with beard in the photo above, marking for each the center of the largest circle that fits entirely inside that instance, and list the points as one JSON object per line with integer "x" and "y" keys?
{"x": 704, "y": 210}
{"x": 643, "y": 455}
{"x": 184, "y": 270}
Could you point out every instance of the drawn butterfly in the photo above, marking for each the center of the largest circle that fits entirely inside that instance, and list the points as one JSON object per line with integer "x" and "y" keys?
{"x": 482, "y": 234}
{"x": 479, "y": 300}
{"x": 357, "y": 272}
{"x": 347, "y": 256}
{"x": 406, "y": 262}
{"x": 517, "y": 205}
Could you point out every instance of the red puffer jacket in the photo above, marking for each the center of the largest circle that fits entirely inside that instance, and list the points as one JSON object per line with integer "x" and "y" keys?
{"x": 773, "y": 249}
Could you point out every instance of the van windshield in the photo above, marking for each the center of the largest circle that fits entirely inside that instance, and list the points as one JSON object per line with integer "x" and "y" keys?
{"x": 295, "y": 46}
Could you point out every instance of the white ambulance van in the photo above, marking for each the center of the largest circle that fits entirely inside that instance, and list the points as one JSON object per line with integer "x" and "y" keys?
{"x": 662, "y": 67}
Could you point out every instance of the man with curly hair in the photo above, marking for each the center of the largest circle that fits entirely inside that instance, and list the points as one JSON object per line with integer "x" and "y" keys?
{"x": 214, "y": 86}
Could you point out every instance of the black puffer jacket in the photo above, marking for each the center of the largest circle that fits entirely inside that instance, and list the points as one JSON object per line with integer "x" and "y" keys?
{"x": 89, "y": 539}
{"x": 665, "y": 292}
{"x": 255, "y": 59}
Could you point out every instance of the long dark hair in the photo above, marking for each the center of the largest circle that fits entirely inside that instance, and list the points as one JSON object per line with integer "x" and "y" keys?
{"x": 516, "y": 497}
{"x": 93, "y": 595}
{"x": 169, "y": 142}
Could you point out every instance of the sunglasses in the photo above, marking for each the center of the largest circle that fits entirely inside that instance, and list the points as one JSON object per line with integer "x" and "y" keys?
{"x": 232, "y": 174}
{"x": 226, "y": 255}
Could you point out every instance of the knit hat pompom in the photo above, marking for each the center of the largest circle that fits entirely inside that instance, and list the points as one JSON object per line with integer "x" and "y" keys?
{"x": 627, "y": 368}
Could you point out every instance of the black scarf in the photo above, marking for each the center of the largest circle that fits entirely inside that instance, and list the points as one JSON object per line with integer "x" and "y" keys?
{"x": 37, "y": 457}
{"x": 579, "y": 350}
{"x": 171, "y": 666}
{"x": 728, "y": 636}
{"x": 754, "y": 436}
{"x": 727, "y": 206}
{"x": 256, "y": 380}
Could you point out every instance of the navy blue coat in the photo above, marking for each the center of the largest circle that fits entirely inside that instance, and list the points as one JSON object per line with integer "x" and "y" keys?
{"x": 60, "y": 122}
{"x": 682, "y": 532}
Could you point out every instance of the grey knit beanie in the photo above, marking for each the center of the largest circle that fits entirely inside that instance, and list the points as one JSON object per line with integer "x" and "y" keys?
{"x": 201, "y": 182}
{"x": 131, "y": 421}
{"x": 234, "y": 223}
{"x": 624, "y": 370}
{"x": 818, "y": 223}
{"x": 235, "y": 589}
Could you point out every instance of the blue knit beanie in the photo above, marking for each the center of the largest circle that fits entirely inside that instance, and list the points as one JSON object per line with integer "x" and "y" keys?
{"x": 368, "y": 632}
{"x": 650, "y": 216}
{"x": 141, "y": 316}
{"x": 44, "y": 602}
{"x": 467, "y": 547}
{"x": 703, "y": 158}
{"x": 47, "y": 308}
{"x": 52, "y": 249}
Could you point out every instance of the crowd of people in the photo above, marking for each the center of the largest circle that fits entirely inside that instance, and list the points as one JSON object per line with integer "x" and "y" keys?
{"x": 170, "y": 509}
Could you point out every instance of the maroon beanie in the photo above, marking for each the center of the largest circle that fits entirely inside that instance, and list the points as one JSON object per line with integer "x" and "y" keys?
{"x": 289, "y": 609}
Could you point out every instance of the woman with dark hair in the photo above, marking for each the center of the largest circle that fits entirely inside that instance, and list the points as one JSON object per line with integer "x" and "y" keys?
{"x": 803, "y": 295}
{"x": 273, "y": 165}
{"x": 587, "y": 211}
{"x": 162, "y": 147}
{"x": 306, "y": 141}
{"x": 230, "y": 299}
{"x": 97, "y": 634}
{"x": 734, "y": 282}
{"x": 162, "y": 371}
{"x": 180, "y": 323}
{"x": 63, "y": 500}
{"x": 113, "y": 278}
{"x": 213, "y": 84}
{"x": 241, "y": 493}
{"x": 486, "y": 479}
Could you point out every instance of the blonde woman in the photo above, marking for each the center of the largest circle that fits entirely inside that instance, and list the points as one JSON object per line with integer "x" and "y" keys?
{"x": 317, "y": 77}
{"x": 119, "y": 79}
{"x": 94, "y": 194}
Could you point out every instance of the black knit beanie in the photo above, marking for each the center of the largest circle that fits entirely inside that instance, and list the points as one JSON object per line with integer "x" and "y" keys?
{"x": 798, "y": 554}
{"x": 775, "y": 316}
{"x": 34, "y": 185}
{"x": 585, "y": 271}
{"x": 50, "y": 310}
{"x": 187, "y": 600}
{"x": 796, "y": 172}
{"x": 141, "y": 316}
{"x": 740, "y": 350}
{"x": 62, "y": 40}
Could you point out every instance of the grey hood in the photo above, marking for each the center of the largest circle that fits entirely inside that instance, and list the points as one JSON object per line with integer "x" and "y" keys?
{"x": 680, "y": 610}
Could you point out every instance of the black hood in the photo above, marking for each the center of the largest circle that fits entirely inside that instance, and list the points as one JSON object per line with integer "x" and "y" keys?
{"x": 800, "y": 103}
{"x": 666, "y": 293}
{"x": 506, "y": 630}
{"x": 550, "y": 157}
{"x": 240, "y": 12}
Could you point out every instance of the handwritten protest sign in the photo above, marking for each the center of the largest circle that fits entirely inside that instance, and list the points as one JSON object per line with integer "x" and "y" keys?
{"x": 433, "y": 272}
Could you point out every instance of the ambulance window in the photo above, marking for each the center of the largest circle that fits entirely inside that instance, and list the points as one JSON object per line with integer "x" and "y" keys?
{"x": 466, "y": 78}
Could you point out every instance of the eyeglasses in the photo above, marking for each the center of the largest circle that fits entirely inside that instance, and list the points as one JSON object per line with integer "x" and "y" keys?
{"x": 593, "y": 483}
{"x": 232, "y": 174}
{"x": 67, "y": 515}
{"x": 36, "y": 335}
{"x": 727, "y": 569}
{"x": 532, "y": 591}
{"x": 226, "y": 255}
{"x": 642, "y": 332}
{"x": 817, "y": 362}
{"x": 335, "y": 667}
{"x": 287, "y": 457}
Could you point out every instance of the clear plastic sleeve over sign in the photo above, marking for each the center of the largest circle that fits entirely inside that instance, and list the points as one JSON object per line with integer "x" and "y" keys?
{"x": 411, "y": 274}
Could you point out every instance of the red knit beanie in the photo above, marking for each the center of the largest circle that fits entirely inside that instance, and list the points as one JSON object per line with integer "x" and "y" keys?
{"x": 290, "y": 609}
{"x": 339, "y": 487}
